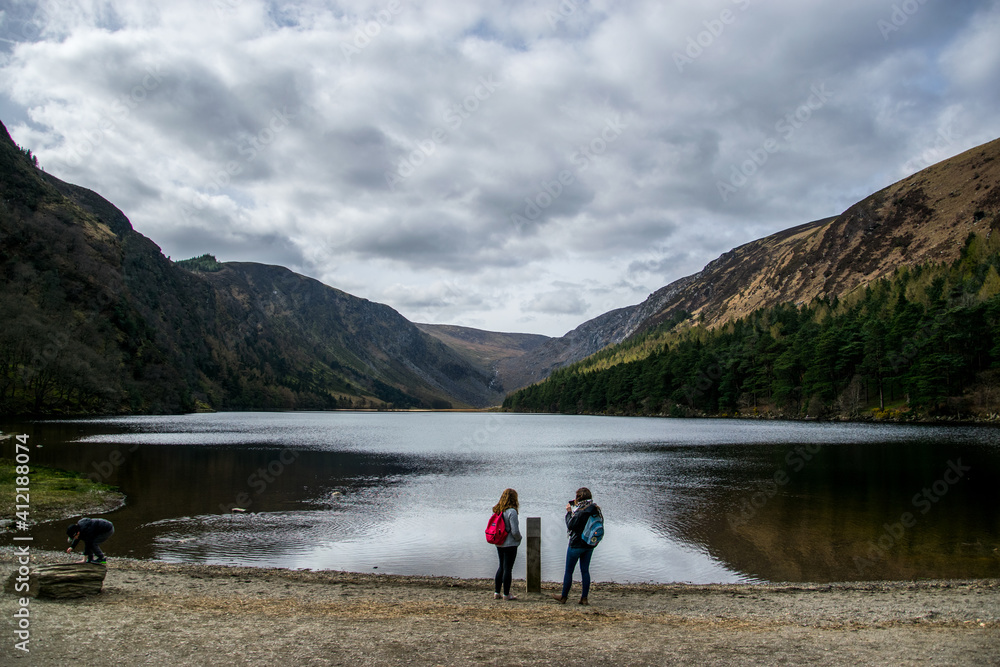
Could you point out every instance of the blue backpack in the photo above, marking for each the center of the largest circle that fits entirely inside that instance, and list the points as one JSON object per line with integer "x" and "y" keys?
{"x": 593, "y": 531}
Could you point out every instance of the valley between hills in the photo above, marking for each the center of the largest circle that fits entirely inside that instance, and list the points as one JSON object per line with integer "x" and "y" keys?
{"x": 98, "y": 321}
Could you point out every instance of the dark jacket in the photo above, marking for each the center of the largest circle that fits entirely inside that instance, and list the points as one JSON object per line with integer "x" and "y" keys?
{"x": 91, "y": 528}
{"x": 577, "y": 521}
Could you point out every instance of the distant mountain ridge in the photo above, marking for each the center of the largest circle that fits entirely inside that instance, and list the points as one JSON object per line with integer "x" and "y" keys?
{"x": 592, "y": 336}
{"x": 488, "y": 350}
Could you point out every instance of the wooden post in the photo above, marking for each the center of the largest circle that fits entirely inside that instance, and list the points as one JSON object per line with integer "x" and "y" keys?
{"x": 534, "y": 562}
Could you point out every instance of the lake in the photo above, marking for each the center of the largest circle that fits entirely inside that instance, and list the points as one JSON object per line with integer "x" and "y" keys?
{"x": 696, "y": 501}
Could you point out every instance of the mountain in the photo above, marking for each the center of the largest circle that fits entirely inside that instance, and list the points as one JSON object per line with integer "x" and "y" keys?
{"x": 488, "y": 350}
{"x": 590, "y": 337}
{"x": 97, "y": 320}
{"x": 338, "y": 342}
{"x": 889, "y": 310}
{"x": 922, "y": 218}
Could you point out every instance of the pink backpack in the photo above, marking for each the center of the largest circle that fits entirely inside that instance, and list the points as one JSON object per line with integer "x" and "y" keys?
{"x": 496, "y": 531}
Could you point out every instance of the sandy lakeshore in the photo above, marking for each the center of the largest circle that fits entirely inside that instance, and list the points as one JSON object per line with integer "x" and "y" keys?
{"x": 154, "y": 613}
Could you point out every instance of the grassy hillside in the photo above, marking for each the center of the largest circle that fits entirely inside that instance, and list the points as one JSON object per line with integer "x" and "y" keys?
{"x": 923, "y": 218}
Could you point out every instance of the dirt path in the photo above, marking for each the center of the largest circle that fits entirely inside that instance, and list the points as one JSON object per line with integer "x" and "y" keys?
{"x": 154, "y": 613}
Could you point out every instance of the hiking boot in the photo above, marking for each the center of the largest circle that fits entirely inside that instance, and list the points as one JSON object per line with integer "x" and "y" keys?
{"x": 584, "y": 601}
{"x": 559, "y": 598}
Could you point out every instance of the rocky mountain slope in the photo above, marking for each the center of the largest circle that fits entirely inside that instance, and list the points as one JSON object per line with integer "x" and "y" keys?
{"x": 96, "y": 319}
{"x": 368, "y": 347}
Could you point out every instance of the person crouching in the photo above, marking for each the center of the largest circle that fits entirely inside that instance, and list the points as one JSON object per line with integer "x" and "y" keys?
{"x": 93, "y": 532}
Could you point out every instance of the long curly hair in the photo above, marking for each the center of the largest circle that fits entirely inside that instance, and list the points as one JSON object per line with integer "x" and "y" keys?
{"x": 508, "y": 499}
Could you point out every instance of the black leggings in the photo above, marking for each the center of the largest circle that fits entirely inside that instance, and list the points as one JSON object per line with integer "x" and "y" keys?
{"x": 507, "y": 556}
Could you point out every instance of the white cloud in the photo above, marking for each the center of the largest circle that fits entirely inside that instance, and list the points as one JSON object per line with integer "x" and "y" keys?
{"x": 563, "y": 301}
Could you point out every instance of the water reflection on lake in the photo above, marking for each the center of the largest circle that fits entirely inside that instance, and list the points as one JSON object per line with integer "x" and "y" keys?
{"x": 410, "y": 493}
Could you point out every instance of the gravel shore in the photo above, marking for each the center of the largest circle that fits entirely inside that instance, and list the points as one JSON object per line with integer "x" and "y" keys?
{"x": 154, "y": 613}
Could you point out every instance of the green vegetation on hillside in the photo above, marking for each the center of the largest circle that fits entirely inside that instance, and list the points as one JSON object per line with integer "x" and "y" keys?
{"x": 923, "y": 341}
{"x": 206, "y": 263}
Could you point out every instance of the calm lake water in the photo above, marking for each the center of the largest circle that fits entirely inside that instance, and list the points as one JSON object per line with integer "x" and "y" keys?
{"x": 410, "y": 493}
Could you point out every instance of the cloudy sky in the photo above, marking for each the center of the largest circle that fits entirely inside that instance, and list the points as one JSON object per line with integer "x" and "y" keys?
{"x": 512, "y": 166}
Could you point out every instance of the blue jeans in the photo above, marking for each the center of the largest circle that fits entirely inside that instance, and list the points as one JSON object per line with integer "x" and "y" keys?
{"x": 572, "y": 556}
{"x": 507, "y": 556}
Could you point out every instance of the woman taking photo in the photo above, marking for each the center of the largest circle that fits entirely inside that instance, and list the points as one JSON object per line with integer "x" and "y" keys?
{"x": 578, "y": 511}
{"x": 507, "y": 552}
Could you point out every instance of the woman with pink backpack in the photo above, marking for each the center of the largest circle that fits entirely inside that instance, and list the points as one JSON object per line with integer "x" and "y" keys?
{"x": 504, "y": 532}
